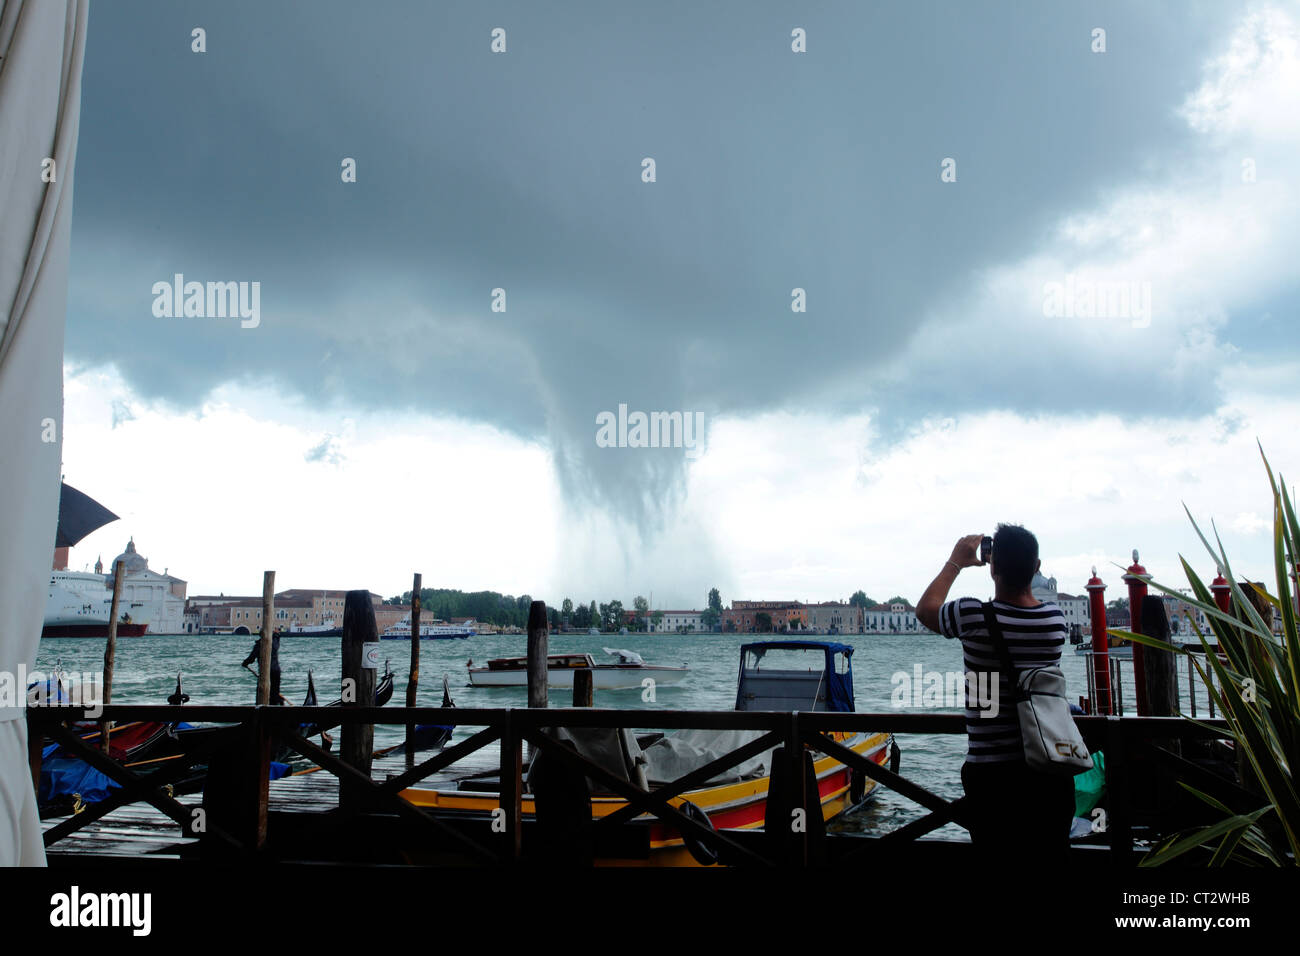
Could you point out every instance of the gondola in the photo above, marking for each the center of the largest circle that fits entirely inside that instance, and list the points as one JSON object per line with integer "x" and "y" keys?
{"x": 68, "y": 782}
{"x": 430, "y": 736}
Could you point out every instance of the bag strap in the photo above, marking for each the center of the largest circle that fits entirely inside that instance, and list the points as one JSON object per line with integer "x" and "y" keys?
{"x": 999, "y": 642}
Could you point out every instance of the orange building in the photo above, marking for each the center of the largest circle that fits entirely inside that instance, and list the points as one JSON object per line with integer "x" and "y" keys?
{"x": 742, "y": 616}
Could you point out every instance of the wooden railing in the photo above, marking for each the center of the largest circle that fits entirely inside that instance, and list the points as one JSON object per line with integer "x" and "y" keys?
{"x": 235, "y": 811}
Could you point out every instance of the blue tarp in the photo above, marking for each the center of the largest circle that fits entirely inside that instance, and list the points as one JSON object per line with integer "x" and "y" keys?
{"x": 64, "y": 776}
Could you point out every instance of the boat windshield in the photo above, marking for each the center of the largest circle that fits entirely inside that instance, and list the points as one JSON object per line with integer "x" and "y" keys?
{"x": 785, "y": 659}
{"x": 795, "y": 676}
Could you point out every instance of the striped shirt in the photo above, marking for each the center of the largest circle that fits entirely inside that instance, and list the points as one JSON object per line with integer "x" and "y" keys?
{"x": 1034, "y": 638}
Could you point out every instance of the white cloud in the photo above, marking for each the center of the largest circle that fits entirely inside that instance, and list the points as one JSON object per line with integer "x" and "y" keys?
{"x": 804, "y": 509}
{"x": 223, "y": 494}
{"x": 1251, "y": 87}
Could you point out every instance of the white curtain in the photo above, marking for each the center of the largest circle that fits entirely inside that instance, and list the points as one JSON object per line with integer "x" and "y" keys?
{"x": 42, "y": 43}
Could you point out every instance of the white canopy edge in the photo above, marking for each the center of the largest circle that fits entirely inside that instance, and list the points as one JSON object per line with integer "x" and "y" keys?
{"x": 42, "y": 45}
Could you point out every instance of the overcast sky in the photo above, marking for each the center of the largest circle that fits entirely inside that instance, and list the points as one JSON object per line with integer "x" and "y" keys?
{"x": 382, "y": 418}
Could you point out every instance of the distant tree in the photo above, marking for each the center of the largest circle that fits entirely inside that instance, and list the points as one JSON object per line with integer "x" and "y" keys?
{"x": 658, "y": 618}
{"x": 763, "y": 621}
{"x": 710, "y": 618}
{"x": 642, "y": 607}
{"x": 582, "y": 617}
{"x": 860, "y": 599}
{"x": 715, "y": 601}
{"x": 592, "y": 616}
{"x": 566, "y": 609}
{"x": 612, "y": 614}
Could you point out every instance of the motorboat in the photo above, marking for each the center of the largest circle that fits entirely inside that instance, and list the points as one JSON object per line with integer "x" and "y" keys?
{"x": 328, "y": 628}
{"x": 774, "y": 675}
{"x": 626, "y": 672}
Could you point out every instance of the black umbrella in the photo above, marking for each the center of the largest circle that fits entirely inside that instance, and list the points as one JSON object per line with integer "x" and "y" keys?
{"x": 79, "y": 514}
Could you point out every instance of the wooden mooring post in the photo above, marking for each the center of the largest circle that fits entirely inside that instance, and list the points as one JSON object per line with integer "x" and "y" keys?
{"x": 584, "y": 690}
{"x": 539, "y": 630}
{"x": 413, "y": 681}
{"x": 264, "y": 646}
{"x": 236, "y": 794}
{"x": 357, "y": 746}
{"x": 110, "y": 653}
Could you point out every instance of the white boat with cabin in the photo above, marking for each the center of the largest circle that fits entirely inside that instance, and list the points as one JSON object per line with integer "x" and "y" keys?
{"x": 628, "y": 672}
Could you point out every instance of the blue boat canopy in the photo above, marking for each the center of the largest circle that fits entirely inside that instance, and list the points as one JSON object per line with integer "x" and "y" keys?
{"x": 784, "y": 681}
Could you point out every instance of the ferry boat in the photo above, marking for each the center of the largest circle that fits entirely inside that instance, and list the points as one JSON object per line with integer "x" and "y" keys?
{"x": 628, "y": 672}
{"x": 402, "y": 630}
{"x": 78, "y": 604}
{"x": 734, "y": 800}
{"x": 328, "y": 628}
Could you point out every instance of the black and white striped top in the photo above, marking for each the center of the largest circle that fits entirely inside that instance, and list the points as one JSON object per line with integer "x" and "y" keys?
{"x": 1034, "y": 636}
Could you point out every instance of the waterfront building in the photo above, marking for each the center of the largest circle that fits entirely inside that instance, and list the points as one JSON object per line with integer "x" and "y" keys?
{"x": 673, "y": 621}
{"x": 827, "y": 617}
{"x": 157, "y": 600}
{"x": 1075, "y": 609}
{"x": 386, "y": 615}
{"x": 897, "y": 617}
{"x": 743, "y": 616}
{"x": 242, "y": 614}
{"x": 834, "y": 617}
{"x": 1182, "y": 617}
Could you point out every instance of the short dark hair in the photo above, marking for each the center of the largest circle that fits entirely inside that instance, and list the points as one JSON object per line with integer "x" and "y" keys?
{"x": 1015, "y": 555}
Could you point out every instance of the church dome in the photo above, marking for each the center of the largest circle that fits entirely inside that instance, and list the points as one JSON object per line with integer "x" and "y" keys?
{"x": 1043, "y": 587}
{"x": 132, "y": 561}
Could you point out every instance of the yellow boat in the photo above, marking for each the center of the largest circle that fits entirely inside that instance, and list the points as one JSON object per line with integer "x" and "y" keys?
{"x": 727, "y": 804}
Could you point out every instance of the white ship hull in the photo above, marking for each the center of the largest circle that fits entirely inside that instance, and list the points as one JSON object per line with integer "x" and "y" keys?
{"x": 76, "y": 601}
{"x": 429, "y": 632}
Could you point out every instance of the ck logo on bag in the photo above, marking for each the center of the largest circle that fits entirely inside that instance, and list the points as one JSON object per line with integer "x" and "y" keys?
{"x": 1068, "y": 748}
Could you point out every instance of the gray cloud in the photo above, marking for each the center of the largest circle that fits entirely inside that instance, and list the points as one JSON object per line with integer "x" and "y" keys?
{"x": 121, "y": 412}
{"x": 325, "y": 450}
{"x": 522, "y": 171}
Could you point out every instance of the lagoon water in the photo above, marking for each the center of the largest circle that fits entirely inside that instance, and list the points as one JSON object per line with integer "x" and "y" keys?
{"x": 146, "y": 667}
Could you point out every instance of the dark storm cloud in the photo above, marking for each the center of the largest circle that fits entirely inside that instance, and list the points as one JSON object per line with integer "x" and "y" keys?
{"x": 522, "y": 171}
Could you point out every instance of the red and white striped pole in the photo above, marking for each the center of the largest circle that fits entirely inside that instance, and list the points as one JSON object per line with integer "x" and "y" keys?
{"x": 1100, "y": 649}
{"x": 1137, "y": 590}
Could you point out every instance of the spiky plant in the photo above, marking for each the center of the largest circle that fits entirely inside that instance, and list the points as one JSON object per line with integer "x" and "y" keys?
{"x": 1257, "y": 691}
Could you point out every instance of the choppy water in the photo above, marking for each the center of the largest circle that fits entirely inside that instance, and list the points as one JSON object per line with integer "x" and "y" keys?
{"x": 145, "y": 672}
